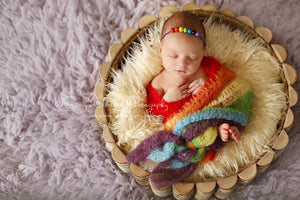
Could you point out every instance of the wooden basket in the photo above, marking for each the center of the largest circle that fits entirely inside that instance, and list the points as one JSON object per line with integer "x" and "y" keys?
{"x": 221, "y": 188}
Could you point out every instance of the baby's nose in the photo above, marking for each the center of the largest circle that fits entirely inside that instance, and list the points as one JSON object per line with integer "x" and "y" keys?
{"x": 183, "y": 61}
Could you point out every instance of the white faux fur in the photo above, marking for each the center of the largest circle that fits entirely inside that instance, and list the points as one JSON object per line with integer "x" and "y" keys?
{"x": 248, "y": 58}
{"x": 51, "y": 146}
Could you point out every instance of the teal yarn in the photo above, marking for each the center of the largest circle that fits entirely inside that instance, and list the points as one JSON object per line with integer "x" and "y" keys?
{"x": 210, "y": 113}
{"x": 164, "y": 153}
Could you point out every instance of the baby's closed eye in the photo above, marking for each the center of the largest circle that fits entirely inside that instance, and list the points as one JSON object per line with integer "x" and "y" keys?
{"x": 193, "y": 58}
{"x": 172, "y": 55}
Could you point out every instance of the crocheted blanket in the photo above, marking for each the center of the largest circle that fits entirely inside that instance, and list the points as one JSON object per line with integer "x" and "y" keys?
{"x": 191, "y": 134}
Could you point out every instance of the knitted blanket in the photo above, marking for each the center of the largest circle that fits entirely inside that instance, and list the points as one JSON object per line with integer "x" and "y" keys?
{"x": 191, "y": 134}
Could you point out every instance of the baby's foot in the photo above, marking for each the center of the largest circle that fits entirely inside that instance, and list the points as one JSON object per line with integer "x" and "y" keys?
{"x": 229, "y": 132}
{"x": 234, "y": 133}
{"x": 223, "y": 132}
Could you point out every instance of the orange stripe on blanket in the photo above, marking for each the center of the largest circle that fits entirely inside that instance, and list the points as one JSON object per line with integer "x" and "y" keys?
{"x": 209, "y": 156}
{"x": 210, "y": 91}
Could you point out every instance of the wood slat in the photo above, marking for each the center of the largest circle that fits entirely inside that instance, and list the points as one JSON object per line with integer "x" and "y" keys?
{"x": 127, "y": 34}
{"x": 228, "y": 182}
{"x": 248, "y": 174}
{"x": 167, "y": 10}
{"x": 264, "y": 162}
{"x": 290, "y": 73}
{"x": 206, "y": 187}
{"x": 280, "y": 144}
{"x": 118, "y": 155}
{"x": 107, "y": 135}
{"x": 99, "y": 91}
{"x": 137, "y": 171}
{"x": 280, "y": 52}
{"x": 289, "y": 120}
{"x": 209, "y": 8}
{"x": 293, "y": 96}
{"x": 100, "y": 114}
{"x": 146, "y": 20}
{"x": 163, "y": 192}
{"x": 114, "y": 50}
{"x": 246, "y": 20}
{"x": 204, "y": 190}
{"x": 281, "y": 141}
{"x": 190, "y": 6}
{"x": 228, "y": 12}
{"x": 226, "y": 186}
{"x": 265, "y": 33}
{"x": 120, "y": 159}
{"x": 141, "y": 176}
{"x": 104, "y": 70}
{"x": 108, "y": 138}
{"x": 183, "y": 191}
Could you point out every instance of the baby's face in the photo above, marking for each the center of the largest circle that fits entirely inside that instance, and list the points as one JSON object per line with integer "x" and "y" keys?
{"x": 181, "y": 54}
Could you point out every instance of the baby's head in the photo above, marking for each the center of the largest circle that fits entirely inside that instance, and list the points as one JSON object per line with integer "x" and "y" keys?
{"x": 184, "y": 22}
{"x": 182, "y": 43}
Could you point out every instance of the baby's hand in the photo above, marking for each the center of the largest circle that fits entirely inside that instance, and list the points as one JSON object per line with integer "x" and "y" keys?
{"x": 195, "y": 86}
{"x": 229, "y": 132}
{"x": 177, "y": 92}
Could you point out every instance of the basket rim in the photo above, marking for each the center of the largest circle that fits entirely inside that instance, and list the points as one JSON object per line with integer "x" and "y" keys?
{"x": 218, "y": 17}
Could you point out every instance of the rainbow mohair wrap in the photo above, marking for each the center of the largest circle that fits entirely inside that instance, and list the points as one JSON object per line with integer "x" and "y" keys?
{"x": 191, "y": 133}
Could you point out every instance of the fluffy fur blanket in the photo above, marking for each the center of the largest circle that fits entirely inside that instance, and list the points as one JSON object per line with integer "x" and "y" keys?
{"x": 50, "y": 52}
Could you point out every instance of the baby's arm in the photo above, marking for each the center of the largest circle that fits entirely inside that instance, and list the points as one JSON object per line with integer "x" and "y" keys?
{"x": 177, "y": 92}
{"x": 229, "y": 132}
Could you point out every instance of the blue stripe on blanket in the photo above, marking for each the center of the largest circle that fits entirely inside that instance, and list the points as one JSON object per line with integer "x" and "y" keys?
{"x": 210, "y": 113}
{"x": 164, "y": 153}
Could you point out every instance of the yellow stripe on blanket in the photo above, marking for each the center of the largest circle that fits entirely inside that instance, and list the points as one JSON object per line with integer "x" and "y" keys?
{"x": 236, "y": 88}
{"x": 206, "y": 138}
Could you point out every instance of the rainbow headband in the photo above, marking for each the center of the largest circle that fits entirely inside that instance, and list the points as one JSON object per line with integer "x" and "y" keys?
{"x": 184, "y": 30}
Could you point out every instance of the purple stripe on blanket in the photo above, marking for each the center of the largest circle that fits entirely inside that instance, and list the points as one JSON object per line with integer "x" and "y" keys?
{"x": 141, "y": 152}
{"x": 197, "y": 128}
{"x": 217, "y": 145}
{"x": 162, "y": 176}
{"x": 186, "y": 154}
